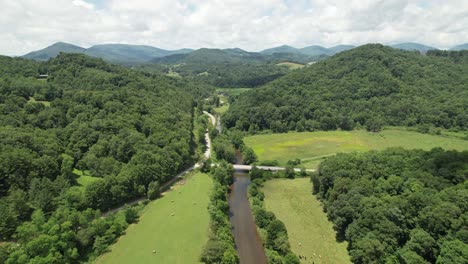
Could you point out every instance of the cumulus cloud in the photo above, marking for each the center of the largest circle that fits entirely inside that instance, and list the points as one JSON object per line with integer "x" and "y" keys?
{"x": 27, "y": 25}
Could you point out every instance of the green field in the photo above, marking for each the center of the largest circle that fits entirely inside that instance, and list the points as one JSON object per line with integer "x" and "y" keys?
{"x": 176, "y": 226}
{"x": 224, "y": 105}
{"x": 233, "y": 91}
{"x": 313, "y": 147}
{"x": 310, "y": 233}
{"x": 291, "y": 65}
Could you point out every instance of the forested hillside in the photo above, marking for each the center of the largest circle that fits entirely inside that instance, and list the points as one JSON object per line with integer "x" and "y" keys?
{"x": 314, "y": 50}
{"x": 129, "y": 128}
{"x": 368, "y": 86}
{"x": 398, "y": 206}
{"x": 228, "y": 67}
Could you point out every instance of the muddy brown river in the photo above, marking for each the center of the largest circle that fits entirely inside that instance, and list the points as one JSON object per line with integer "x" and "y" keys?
{"x": 248, "y": 243}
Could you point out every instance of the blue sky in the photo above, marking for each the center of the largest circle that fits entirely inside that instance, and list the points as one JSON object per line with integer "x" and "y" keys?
{"x": 27, "y": 25}
{"x": 97, "y": 3}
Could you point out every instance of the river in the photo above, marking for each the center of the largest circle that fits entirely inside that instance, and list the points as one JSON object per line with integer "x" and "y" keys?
{"x": 248, "y": 243}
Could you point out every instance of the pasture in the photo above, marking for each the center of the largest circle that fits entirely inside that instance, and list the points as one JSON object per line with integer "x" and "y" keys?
{"x": 172, "y": 229}
{"x": 312, "y": 147}
{"x": 310, "y": 233}
{"x": 291, "y": 65}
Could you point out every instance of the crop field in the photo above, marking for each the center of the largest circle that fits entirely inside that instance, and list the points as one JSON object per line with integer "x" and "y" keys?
{"x": 172, "y": 229}
{"x": 311, "y": 235}
{"x": 312, "y": 147}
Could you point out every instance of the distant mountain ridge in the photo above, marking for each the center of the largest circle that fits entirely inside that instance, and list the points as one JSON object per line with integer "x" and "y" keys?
{"x": 118, "y": 53}
{"x": 314, "y": 50}
{"x": 53, "y": 50}
{"x": 413, "y": 46}
{"x": 460, "y": 47}
{"x": 139, "y": 54}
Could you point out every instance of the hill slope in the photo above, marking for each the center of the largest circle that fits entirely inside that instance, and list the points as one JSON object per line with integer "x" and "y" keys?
{"x": 53, "y": 50}
{"x": 129, "y": 53}
{"x": 280, "y": 49}
{"x": 371, "y": 85}
{"x": 460, "y": 47}
{"x": 117, "y": 53}
{"x": 413, "y": 46}
{"x": 314, "y": 50}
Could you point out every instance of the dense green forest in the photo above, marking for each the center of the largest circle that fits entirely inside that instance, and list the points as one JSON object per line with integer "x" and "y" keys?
{"x": 398, "y": 206}
{"x": 132, "y": 129}
{"x": 369, "y": 86}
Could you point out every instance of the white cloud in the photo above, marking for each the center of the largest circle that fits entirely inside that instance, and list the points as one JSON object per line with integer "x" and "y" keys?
{"x": 27, "y": 25}
{"x": 83, "y": 4}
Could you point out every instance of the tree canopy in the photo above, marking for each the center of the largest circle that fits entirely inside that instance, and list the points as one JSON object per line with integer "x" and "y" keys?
{"x": 398, "y": 206}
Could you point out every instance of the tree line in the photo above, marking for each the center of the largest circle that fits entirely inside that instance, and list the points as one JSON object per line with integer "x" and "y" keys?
{"x": 221, "y": 247}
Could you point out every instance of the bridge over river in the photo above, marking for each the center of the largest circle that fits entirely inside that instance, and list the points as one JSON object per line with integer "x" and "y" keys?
{"x": 267, "y": 168}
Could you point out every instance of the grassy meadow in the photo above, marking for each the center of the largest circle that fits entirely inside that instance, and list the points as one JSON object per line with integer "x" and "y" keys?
{"x": 291, "y": 65}
{"x": 176, "y": 226}
{"x": 313, "y": 147}
{"x": 310, "y": 233}
{"x": 233, "y": 91}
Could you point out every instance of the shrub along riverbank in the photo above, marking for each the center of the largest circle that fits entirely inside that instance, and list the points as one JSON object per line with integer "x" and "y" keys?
{"x": 220, "y": 247}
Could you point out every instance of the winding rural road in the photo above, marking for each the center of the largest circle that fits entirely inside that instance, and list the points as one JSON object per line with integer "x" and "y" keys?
{"x": 213, "y": 119}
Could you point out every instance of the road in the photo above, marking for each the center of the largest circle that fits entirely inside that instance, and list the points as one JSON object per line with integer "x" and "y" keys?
{"x": 207, "y": 138}
{"x": 213, "y": 119}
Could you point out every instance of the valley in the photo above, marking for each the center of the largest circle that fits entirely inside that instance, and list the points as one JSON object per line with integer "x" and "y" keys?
{"x": 354, "y": 155}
